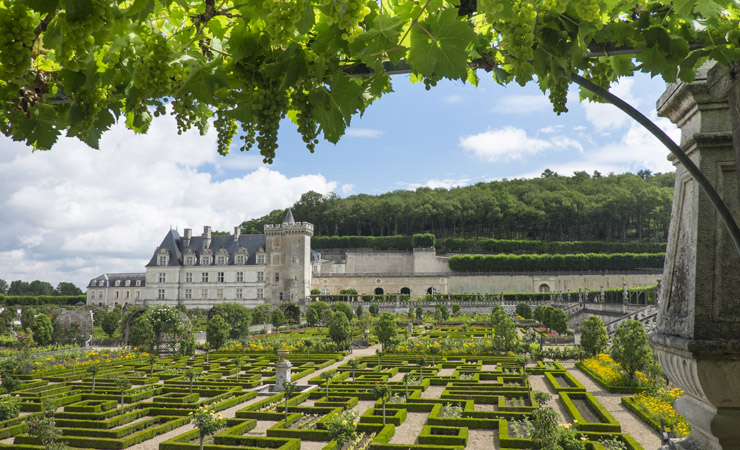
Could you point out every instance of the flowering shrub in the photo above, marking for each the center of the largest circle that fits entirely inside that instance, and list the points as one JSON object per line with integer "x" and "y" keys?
{"x": 207, "y": 422}
{"x": 447, "y": 346}
{"x": 342, "y": 427}
{"x": 657, "y": 404}
{"x": 9, "y": 407}
{"x": 604, "y": 367}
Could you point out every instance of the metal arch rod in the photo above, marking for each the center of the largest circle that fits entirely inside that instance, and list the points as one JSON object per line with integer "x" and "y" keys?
{"x": 714, "y": 198}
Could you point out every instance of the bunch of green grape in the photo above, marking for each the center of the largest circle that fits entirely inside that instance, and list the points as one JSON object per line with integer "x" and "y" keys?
{"x": 79, "y": 34}
{"x": 307, "y": 126}
{"x": 185, "y": 112}
{"x": 558, "y": 94}
{"x": 226, "y": 128}
{"x": 17, "y": 26}
{"x": 351, "y": 15}
{"x": 517, "y": 38}
{"x": 588, "y": 10}
{"x": 91, "y": 101}
{"x": 154, "y": 75}
{"x": 282, "y": 19}
{"x": 600, "y": 72}
{"x": 269, "y": 107}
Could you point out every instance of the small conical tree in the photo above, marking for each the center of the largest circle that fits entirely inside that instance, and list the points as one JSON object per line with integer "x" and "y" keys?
{"x": 406, "y": 378}
{"x": 421, "y": 361}
{"x": 289, "y": 390}
{"x": 190, "y": 375}
{"x": 353, "y": 364}
{"x": 93, "y": 370}
{"x": 327, "y": 376}
{"x": 123, "y": 384}
{"x": 238, "y": 363}
{"x": 152, "y": 360}
{"x": 382, "y": 392}
{"x": 379, "y": 352}
{"x": 308, "y": 343}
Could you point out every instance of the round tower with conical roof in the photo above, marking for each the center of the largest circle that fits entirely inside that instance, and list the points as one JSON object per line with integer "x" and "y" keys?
{"x": 288, "y": 260}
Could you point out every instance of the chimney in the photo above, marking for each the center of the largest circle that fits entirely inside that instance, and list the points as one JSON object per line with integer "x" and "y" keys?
{"x": 188, "y": 236}
{"x": 206, "y": 237}
{"x": 237, "y": 233}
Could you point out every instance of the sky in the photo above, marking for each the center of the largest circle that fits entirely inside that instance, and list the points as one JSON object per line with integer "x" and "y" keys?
{"x": 73, "y": 213}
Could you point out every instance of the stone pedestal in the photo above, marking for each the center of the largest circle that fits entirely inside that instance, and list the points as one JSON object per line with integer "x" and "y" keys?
{"x": 282, "y": 374}
{"x": 698, "y": 333}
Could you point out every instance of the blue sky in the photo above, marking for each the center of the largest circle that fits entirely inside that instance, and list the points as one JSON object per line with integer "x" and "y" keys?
{"x": 73, "y": 213}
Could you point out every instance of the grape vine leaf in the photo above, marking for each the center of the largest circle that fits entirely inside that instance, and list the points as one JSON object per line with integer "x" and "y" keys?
{"x": 203, "y": 80}
{"x": 42, "y": 6}
{"x": 334, "y": 107}
{"x": 40, "y": 131}
{"x": 439, "y": 46}
{"x": 380, "y": 41}
{"x": 78, "y": 9}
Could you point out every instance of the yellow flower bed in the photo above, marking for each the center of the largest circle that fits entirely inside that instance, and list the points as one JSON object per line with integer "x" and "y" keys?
{"x": 660, "y": 406}
{"x": 604, "y": 367}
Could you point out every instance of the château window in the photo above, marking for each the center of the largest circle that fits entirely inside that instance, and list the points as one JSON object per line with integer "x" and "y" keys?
{"x": 260, "y": 293}
{"x": 138, "y": 282}
{"x": 189, "y": 260}
{"x": 188, "y": 277}
{"x": 240, "y": 259}
{"x": 325, "y": 291}
{"x": 118, "y": 283}
{"x": 101, "y": 283}
{"x": 277, "y": 277}
{"x": 100, "y": 294}
{"x": 281, "y": 296}
{"x": 162, "y": 260}
{"x": 125, "y": 294}
{"x": 116, "y": 294}
{"x": 162, "y": 277}
{"x": 204, "y": 293}
{"x": 128, "y": 283}
{"x": 204, "y": 277}
{"x": 137, "y": 294}
{"x": 240, "y": 277}
{"x": 238, "y": 294}
{"x": 205, "y": 261}
{"x": 160, "y": 294}
{"x": 221, "y": 260}
{"x": 188, "y": 294}
{"x": 260, "y": 277}
{"x": 260, "y": 259}
{"x": 220, "y": 277}
{"x": 219, "y": 294}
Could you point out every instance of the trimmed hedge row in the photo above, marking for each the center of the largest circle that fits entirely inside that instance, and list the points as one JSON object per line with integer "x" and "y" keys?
{"x": 23, "y": 300}
{"x": 459, "y": 245}
{"x": 586, "y": 261}
{"x": 607, "y": 424}
{"x": 182, "y": 442}
{"x": 572, "y": 385}
{"x": 629, "y": 403}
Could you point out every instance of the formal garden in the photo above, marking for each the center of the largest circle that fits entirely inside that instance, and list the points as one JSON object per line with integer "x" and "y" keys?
{"x": 369, "y": 382}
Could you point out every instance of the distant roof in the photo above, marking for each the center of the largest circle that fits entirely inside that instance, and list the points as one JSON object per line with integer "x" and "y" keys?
{"x": 113, "y": 277}
{"x": 289, "y": 217}
{"x": 175, "y": 245}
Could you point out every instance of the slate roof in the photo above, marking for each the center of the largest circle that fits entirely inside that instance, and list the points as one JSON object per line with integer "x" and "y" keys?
{"x": 289, "y": 217}
{"x": 174, "y": 243}
{"x": 111, "y": 279}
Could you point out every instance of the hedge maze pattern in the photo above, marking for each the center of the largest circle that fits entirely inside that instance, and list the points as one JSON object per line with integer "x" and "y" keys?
{"x": 493, "y": 394}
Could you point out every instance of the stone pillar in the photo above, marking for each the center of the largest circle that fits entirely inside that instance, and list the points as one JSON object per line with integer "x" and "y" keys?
{"x": 698, "y": 331}
{"x": 625, "y": 295}
{"x": 282, "y": 374}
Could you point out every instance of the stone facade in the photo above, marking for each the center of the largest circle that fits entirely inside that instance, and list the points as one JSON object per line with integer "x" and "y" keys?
{"x": 111, "y": 289}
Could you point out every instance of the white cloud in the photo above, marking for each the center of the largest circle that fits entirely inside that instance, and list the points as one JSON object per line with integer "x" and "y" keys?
{"x": 453, "y": 99}
{"x": 605, "y": 117}
{"x": 363, "y": 133}
{"x": 522, "y": 104}
{"x": 550, "y": 129}
{"x": 346, "y": 189}
{"x": 637, "y": 149}
{"x": 505, "y": 144}
{"x": 74, "y": 212}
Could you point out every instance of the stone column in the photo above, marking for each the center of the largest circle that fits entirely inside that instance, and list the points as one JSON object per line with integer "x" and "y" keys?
{"x": 282, "y": 374}
{"x": 698, "y": 332}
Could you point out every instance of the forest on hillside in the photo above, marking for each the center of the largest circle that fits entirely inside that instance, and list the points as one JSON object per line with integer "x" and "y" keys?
{"x": 582, "y": 207}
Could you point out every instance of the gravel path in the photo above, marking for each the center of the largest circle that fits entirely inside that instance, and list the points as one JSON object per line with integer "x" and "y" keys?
{"x": 482, "y": 440}
{"x": 407, "y": 432}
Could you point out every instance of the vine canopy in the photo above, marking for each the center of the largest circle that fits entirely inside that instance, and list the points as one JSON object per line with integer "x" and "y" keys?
{"x": 79, "y": 66}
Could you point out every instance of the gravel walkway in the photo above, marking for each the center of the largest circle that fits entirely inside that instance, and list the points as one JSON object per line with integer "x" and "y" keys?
{"x": 410, "y": 428}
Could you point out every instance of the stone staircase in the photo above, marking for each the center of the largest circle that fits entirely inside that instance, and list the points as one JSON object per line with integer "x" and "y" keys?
{"x": 648, "y": 316}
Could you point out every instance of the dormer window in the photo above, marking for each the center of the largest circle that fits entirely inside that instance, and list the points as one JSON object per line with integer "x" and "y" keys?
{"x": 118, "y": 283}
{"x": 101, "y": 283}
{"x": 205, "y": 260}
{"x": 221, "y": 260}
{"x": 128, "y": 283}
{"x": 260, "y": 259}
{"x": 138, "y": 282}
{"x": 189, "y": 260}
{"x": 163, "y": 257}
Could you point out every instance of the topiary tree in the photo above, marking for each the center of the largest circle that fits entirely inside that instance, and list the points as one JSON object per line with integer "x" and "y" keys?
{"x": 559, "y": 321}
{"x": 374, "y": 309}
{"x": 236, "y": 316}
{"x": 308, "y": 343}
{"x": 546, "y": 316}
{"x": 93, "y": 370}
{"x": 110, "y": 321}
{"x": 594, "y": 337}
{"x": 545, "y": 428}
{"x": 317, "y": 313}
{"x": 359, "y": 311}
{"x": 339, "y": 328}
{"x": 382, "y": 392}
{"x": 524, "y": 310}
{"x": 327, "y": 376}
{"x": 344, "y": 308}
{"x": 27, "y": 316}
{"x": 455, "y": 309}
{"x": 190, "y": 375}
{"x": 353, "y": 364}
{"x": 277, "y": 318}
{"x": 419, "y": 315}
{"x": 238, "y": 365}
{"x": 152, "y": 360}
{"x": 386, "y": 329}
{"x": 288, "y": 389}
{"x": 504, "y": 330}
{"x": 217, "y": 332}
{"x": 630, "y": 347}
{"x": 122, "y": 384}
{"x": 42, "y": 329}
{"x": 538, "y": 313}
{"x": 207, "y": 421}
{"x": 421, "y": 361}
